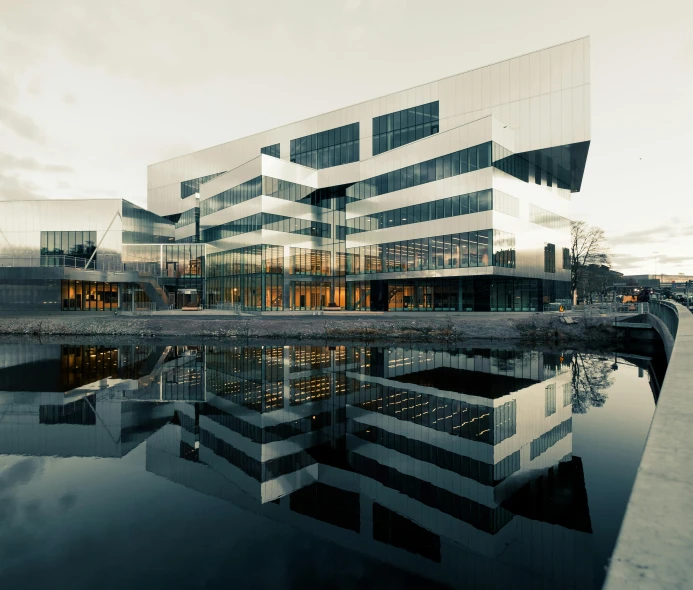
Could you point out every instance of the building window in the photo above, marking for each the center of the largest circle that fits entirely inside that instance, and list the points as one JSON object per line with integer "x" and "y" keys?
{"x": 461, "y": 162}
{"x": 567, "y": 394}
{"x": 402, "y": 127}
{"x": 271, "y": 150}
{"x": 566, "y": 259}
{"x": 192, "y": 186}
{"x": 550, "y": 399}
{"x": 333, "y": 147}
{"x": 547, "y": 219}
{"x": 79, "y": 244}
{"x": 549, "y": 258}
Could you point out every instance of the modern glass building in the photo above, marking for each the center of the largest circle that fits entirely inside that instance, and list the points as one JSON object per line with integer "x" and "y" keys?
{"x": 451, "y": 196}
{"x": 454, "y": 195}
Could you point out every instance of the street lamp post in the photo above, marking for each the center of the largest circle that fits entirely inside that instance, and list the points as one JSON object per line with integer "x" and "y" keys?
{"x": 655, "y": 255}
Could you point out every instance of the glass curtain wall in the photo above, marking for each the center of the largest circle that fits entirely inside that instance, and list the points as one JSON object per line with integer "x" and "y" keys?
{"x": 251, "y": 278}
{"x": 464, "y": 250}
{"x": 89, "y": 296}
{"x": 55, "y": 245}
{"x": 402, "y": 127}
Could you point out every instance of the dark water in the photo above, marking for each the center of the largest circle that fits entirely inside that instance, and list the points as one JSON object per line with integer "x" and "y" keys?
{"x": 310, "y": 466}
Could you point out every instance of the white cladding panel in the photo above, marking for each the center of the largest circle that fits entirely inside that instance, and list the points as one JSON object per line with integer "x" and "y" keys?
{"x": 542, "y": 96}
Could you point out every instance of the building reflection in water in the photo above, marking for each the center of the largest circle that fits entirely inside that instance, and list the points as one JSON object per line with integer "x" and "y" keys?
{"x": 456, "y": 465}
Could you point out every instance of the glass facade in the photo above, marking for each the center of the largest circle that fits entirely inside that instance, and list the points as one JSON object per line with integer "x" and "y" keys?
{"x": 190, "y": 187}
{"x": 233, "y": 196}
{"x": 547, "y": 218}
{"x": 271, "y": 150}
{"x": 305, "y": 261}
{"x": 333, "y": 147}
{"x": 88, "y": 296}
{"x": 251, "y": 277}
{"x": 455, "y": 294}
{"x": 395, "y": 129}
{"x": 439, "y": 209}
{"x": 179, "y": 268}
{"x": 80, "y": 244}
{"x": 452, "y": 164}
{"x": 463, "y": 250}
{"x": 144, "y": 227}
{"x": 266, "y": 221}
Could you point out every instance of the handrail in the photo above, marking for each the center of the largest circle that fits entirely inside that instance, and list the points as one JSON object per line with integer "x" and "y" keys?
{"x": 63, "y": 261}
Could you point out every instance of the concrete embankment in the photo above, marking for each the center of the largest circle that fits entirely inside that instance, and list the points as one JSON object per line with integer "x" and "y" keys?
{"x": 655, "y": 545}
{"x": 420, "y": 327}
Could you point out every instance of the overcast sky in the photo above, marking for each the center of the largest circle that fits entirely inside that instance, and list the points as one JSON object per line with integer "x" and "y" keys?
{"x": 92, "y": 91}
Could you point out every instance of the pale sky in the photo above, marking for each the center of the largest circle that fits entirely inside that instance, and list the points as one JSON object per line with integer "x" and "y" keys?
{"x": 92, "y": 91}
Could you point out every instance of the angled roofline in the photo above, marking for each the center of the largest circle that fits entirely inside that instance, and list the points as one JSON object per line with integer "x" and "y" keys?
{"x": 370, "y": 100}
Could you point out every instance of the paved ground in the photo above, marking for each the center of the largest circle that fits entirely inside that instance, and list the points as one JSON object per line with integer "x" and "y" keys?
{"x": 332, "y": 326}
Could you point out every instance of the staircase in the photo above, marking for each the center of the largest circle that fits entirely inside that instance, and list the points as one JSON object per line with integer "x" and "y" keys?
{"x": 154, "y": 291}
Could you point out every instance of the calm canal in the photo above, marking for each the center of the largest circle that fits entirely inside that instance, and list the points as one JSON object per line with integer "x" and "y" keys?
{"x": 218, "y": 466}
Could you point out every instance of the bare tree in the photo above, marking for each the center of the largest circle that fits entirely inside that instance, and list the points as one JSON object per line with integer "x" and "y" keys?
{"x": 588, "y": 247}
{"x": 591, "y": 377}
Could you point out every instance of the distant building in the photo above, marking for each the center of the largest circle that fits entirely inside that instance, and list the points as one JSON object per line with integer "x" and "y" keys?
{"x": 659, "y": 280}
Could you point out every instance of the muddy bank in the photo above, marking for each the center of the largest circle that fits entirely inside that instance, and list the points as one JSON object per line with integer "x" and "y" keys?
{"x": 336, "y": 329}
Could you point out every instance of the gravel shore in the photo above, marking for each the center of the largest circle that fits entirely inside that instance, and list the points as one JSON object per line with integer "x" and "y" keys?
{"x": 335, "y": 328}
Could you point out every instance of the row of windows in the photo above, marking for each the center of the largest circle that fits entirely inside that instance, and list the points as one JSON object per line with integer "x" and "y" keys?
{"x": 310, "y": 262}
{"x": 267, "y": 221}
{"x": 463, "y": 250}
{"x": 272, "y": 187}
{"x": 190, "y": 187}
{"x": 453, "y": 164}
{"x": 399, "y": 128}
{"x": 233, "y": 196}
{"x": 249, "y": 260}
{"x": 188, "y": 217}
{"x": 455, "y": 294}
{"x": 337, "y": 155}
{"x": 144, "y": 227}
{"x": 168, "y": 260}
{"x": 251, "y": 291}
{"x": 271, "y": 150}
{"x": 475, "y": 422}
{"x": 485, "y": 473}
{"x": 550, "y": 438}
{"x": 440, "y": 209}
{"x": 519, "y": 166}
{"x": 547, "y": 218}
{"x": 478, "y": 515}
{"x": 80, "y": 244}
{"x": 290, "y": 191}
{"x": 333, "y": 147}
{"x": 88, "y": 296}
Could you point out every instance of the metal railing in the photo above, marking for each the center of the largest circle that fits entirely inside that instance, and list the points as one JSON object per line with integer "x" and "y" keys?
{"x": 668, "y": 313}
{"x": 62, "y": 261}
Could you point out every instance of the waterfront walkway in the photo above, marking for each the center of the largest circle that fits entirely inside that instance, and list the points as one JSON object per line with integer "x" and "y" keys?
{"x": 655, "y": 545}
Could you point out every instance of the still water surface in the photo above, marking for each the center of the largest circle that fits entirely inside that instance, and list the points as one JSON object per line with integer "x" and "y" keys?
{"x": 215, "y": 466}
